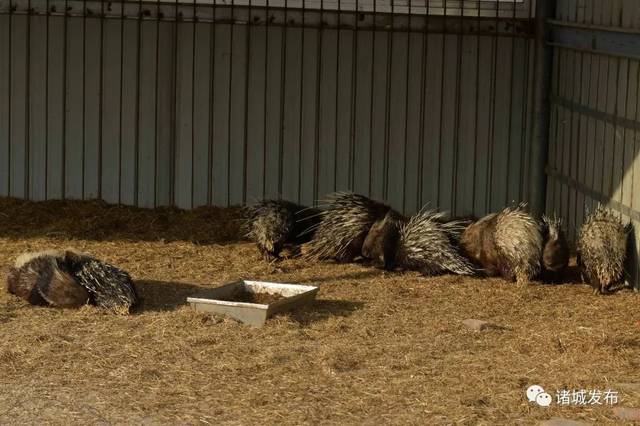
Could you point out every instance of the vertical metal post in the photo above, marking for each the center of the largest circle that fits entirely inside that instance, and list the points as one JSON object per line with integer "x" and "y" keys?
{"x": 423, "y": 104}
{"x": 46, "y": 105}
{"x": 10, "y": 97}
{"x": 542, "y": 86}
{"x": 265, "y": 95}
{"x": 212, "y": 94}
{"x": 27, "y": 108}
{"x": 336, "y": 107}
{"x": 102, "y": 22}
{"x": 300, "y": 102}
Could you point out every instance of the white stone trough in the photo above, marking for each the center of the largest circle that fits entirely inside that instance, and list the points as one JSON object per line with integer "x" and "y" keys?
{"x": 220, "y": 300}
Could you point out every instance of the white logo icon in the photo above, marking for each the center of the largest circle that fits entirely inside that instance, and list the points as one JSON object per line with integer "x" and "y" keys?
{"x": 533, "y": 392}
{"x": 543, "y": 399}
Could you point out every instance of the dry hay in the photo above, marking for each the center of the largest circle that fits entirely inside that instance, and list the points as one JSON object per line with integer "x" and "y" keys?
{"x": 376, "y": 347}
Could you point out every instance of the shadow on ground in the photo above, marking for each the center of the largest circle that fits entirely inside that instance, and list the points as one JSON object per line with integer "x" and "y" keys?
{"x": 159, "y": 296}
{"x": 162, "y": 296}
{"x": 323, "y": 309}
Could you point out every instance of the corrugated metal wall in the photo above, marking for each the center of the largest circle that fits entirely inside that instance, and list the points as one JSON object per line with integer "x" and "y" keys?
{"x": 595, "y": 116}
{"x": 148, "y": 111}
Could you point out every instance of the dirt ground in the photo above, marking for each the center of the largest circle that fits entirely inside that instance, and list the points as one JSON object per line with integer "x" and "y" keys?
{"x": 375, "y": 348}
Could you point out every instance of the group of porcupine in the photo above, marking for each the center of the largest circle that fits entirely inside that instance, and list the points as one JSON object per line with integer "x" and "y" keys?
{"x": 510, "y": 243}
{"x": 70, "y": 279}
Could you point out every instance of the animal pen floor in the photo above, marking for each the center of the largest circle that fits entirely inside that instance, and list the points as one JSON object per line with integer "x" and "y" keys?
{"x": 375, "y": 347}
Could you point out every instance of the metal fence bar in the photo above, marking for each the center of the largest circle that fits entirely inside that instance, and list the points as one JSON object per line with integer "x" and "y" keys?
{"x": 352, "y": 132}
{"x": 599, "y": 115}
{"x": 492, "y": 124}
{"x": 136, "y": 173}
{"x": 371, "y": 97}
{"x": 591, "y": 27}
{"x": 246, "y": 109}
{"x": 300, "y": 105}
{"x": 10, "y": 100}
{"x": 510, "y": 119}
{"x": 46, "y": 106}
{"x": 597, "y": 196}
{"x": 264, "y": 123}
{"x": 27, "y": 165}
{"x": 423, "y": 110}
{"x": 542, "y": 77}
{"x": 525, "y": 153}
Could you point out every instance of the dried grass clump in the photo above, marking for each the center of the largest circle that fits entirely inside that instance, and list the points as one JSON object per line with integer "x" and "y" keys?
{"x": 97, "y": 220}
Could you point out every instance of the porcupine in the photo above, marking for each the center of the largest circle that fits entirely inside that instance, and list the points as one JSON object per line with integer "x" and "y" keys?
{"x": 109, "y": 287}
{"x": 344, "y": 226}
{"x": 44, "y": 278}
{"x": 508, "y": 243}
{"x": 381, "y": 242}
{"x": 274, "y": 224}
{"x": 555, "y": 254}
{"x": 70, "y": 278}
{"x": 427, "y": 243}
{"x": 602, "y": 249}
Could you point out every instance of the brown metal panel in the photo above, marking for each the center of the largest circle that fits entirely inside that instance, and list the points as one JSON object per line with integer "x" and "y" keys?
{"x": 413, "y": 120}
{"x": 515, "y": 165}
{"x": 273, "y": 96}
{"x": 220, "y": 125}
{"x": 583, "y": 134}
{"x": 55, "y": 110}
{"x": 630, "y": 135}
{"x": 5, "y": 90}
{"x": 240, "y": 52}
{"x": 308, "y": 115}
{"x": 362, "y": 113}
{"x": 201, "y": 113}
{"x": 592, "y": 125}
{"x": 485, "y": 81}
{"x": 37, "y": 114}
{"x": 343, "y": 108}
{"x": 378, "y": 112}
{"x": 128, "y": 130}
{"x": 291, "y": 120}
{"x": 110, "y": 111}
{"x": 255, "y": 114}
{"x": 147, "y": 104}
{"x": 92, "y": 105}
{"x": 395, "y": 151}
{"x": 164, "y": 113}
{"x": 464, "y": 183}
{"x": 327, "y": 120}
{"x": 184, "y": 91}
{"x": 74, "y": 130}
{"x": 572, "y": 157}
{"x": 617, "y": 167}
{"x": 500, "y": 144}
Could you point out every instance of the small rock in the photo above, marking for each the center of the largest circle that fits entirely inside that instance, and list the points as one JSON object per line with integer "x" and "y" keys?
{"x": 627, "y": 413}
{"x": 476, "y": 324}
{"x": 558, "y": 421}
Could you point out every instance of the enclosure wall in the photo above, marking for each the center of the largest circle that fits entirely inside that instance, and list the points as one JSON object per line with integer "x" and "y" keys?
{"x": 145, "y": 105}
{"x": 595, "y": 116}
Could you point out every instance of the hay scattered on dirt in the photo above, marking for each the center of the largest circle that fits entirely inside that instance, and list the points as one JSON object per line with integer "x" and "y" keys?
{"x": 376, "y": 347}
{"x": 96, "y": 220}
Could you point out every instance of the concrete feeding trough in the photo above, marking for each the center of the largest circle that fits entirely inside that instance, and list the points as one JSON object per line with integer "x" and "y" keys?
{"x": 252, "y": 302}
